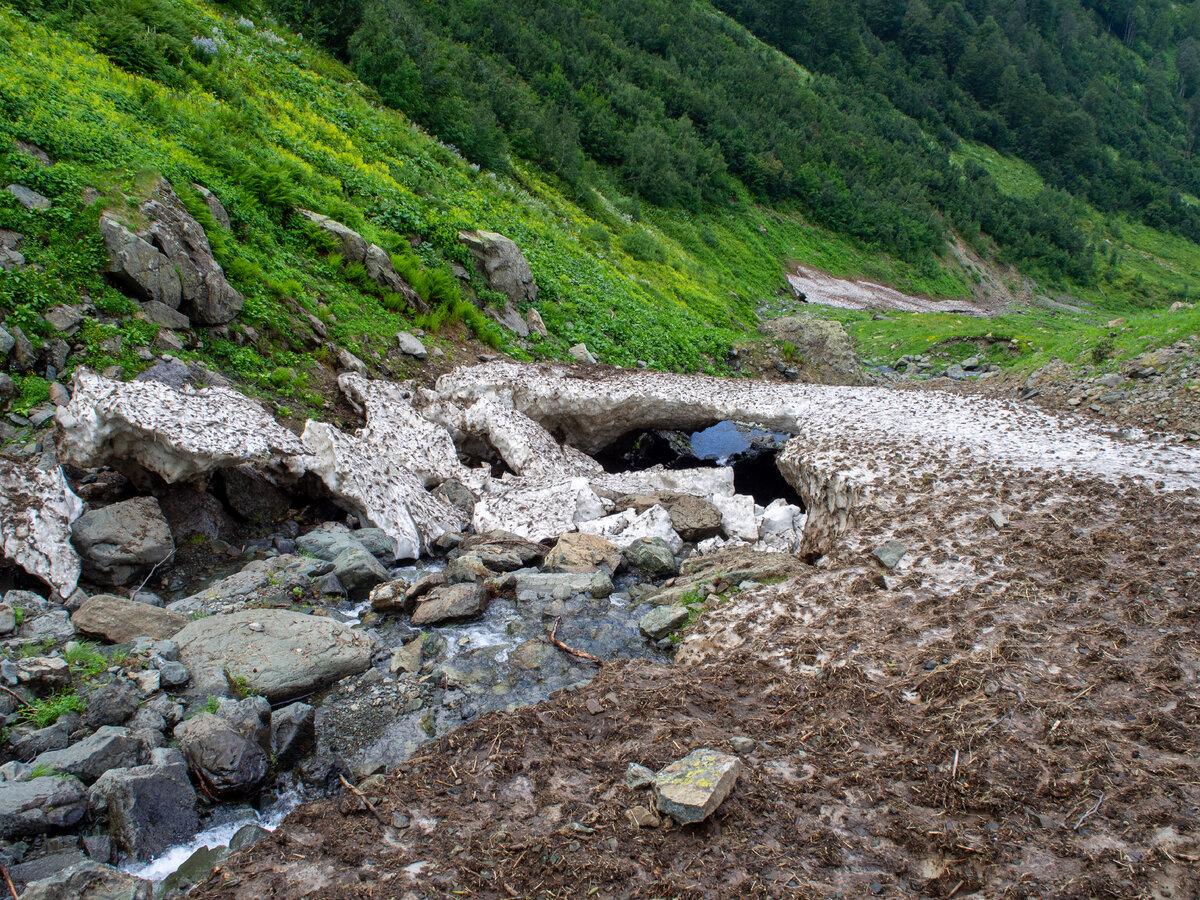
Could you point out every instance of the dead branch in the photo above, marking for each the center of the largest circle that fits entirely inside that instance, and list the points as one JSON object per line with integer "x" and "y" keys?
{"x": 582, "y": 654}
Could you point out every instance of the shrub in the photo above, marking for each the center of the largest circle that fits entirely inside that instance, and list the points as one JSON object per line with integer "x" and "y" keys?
{"x": 643, "y": 247}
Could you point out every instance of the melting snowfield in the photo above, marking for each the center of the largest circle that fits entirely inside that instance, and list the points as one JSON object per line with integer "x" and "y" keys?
{"x": 825, "y": 290}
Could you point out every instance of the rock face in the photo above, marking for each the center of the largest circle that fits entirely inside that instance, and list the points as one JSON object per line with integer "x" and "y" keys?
{"x": 120, "y": 621}
{"x": 123, "y": 540}
{"x": 178, "y": 434}
{"x": 502, "y": 264}
{"x": 690, "y": 789}
{"x": 137, "y": 267}
{"x": 225, "y": 761}
{"x": 146, "y": 808}
{"x": 40, "y": 805}
{"x": 280, "y": 654}
{"x": 36, "y": 512}
{"x": 825, "y": 350}
{"x": 89, "y": 881}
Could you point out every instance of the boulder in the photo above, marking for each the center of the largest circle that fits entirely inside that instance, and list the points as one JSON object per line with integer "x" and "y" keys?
{"x": 28, "y": 197}
{"x": 120, "y": 621}
{"x": 89, "y": 880}
{"x": 381, "y": 270}
{"x": 510, "y": 318}
{"x": 160, "y": 314}
{"x": 328, "y": 540}
{"x": 280, "y": 654}
{"x": 549, "y": 584}
{"x": 250, "y": 717}
{"x": 577, "y": 552}
{"x": 690, "y": 789}
{"x": 63, "y": 318}
{"x": 581, "y": 354}
{"x": 146, "y": 809}
{"x": 350, "y": 245}
{"x": 653, "y": 556}
{"x": 135, "y": 266}
{"x": 455, "y": 601}
{"x": 411, "y": 346}
{"x": 40, "y": 805}
{"x": 44, "y": 673}
{"x": 124, "y": 540}
{"x": 28, "y": 744}
{"x": 215, "y": 206}
{"x": 227, "y": 763}
{"x": 112, "y": 704}
{"x": 890, "y": 554}
{"x": 24, "y": 356}
{"x": 693, "y": 518}
{"x": 533, "y": 319}
{"x": 190, "y": 511}
{"x": 661, "y": 621}
{"x": 53, "y": 625}
{"x": 826, "y": 352}
{"x": 107, "y": 748}
{"x": 501, "y": 264}
{"x": 358, "y": 571}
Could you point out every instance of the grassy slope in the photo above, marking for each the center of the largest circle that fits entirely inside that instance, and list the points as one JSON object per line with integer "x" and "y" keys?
{"x": 271, "y": 123}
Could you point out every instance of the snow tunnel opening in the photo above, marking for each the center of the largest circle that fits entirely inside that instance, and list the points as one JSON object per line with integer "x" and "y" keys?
{"x": 750, "y": 450}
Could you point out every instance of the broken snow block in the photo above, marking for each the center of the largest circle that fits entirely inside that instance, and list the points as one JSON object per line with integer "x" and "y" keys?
{"x": 690, "y": 789}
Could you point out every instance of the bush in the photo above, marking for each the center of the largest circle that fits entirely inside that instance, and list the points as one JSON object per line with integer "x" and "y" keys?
{"x": 643, "y": 247}
{"x": 598, "y": 235}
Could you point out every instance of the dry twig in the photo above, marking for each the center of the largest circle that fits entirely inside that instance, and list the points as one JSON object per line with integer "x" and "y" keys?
{"x": 363, "y": 797}
{"x": 582, "y": 654}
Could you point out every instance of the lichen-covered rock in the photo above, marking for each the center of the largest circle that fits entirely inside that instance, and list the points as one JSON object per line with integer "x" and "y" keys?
{"x": 690, "y": 789}
{"x": 37, "y": 509}
{"x": 653, "y": 556}
{"x": 502, "y": 264}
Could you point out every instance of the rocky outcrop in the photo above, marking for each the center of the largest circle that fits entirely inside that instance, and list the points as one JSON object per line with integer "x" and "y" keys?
{"x": 37, "y": 509}
{"x": 502, "y": 264}
{"x": 121, "y": 541}
{"x": 823, "y": 351}
{"x": 274, "y": 653}
{"x": 179, "y": 434}
{"x": 353, "y": 247}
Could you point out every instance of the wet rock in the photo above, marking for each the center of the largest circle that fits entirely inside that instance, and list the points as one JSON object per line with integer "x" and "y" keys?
{"x": 408, "y": 657}
{"x": 456, "y": 601}
{"x": 890, "y": 554}
{"x": 124, "y": 540}
{"x": 638, "y": 777}
{"x": 195, "y": 869}
{"x": 226, "y": 762}
{"x": 549, "y": 584}
{"x": 120, "y": 621}
{"x": 500, "y": 261}
{"x": 35, "y": 526}
{"x": 661, "y": 621}
{"x": 411, "y": 346}
{"x": 112, "y": 704}
{"x": 291, "y": 731}
{"x": 108, "y": 748}
{"x": 652, "y": 556}
{"x": 289, "y": 654}
{"x": 89, "y": 881}
{"x": 580, "y": 553}
{"x": 358, "y": 571}
{"x": 690, "y": 789}
{"x": 247, "y": 836}
{"x": 146, "y": 809}
{"x": 38, "y": 868}
{"x": 377, "y": 542}
{"x": 40, "y": 805}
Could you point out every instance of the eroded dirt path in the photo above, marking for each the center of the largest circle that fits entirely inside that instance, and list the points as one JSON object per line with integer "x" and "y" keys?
{"x": 1010, "y": 713}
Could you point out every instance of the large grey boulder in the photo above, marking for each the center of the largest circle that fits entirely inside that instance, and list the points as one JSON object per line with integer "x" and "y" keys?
{"x": 89, "y": 881}
{"x": 40, "y": 805}
{"x": 280, "y": 654}
{"x": 502, "y": 264}
{"x": 28, "y": 197}
{"x": 661, "y": 621}
{"x": 120, "y": 621}
{"x": 227, "y": 763}
{"x": 653, "y": 556}
{"x": 137, "y": 267}
{"x": 207, "y": 296}
{"x": 358, "y": 571}
{"x": 124, "y": 540}
{"x": 146, "y": 808}
{"x": 825, "y": 350}
{"x": 454, "y": 601}
{"x": 108, "y": 748}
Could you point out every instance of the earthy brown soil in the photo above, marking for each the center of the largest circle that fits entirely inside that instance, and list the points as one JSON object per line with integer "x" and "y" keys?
{"x": 1010, "y": 714}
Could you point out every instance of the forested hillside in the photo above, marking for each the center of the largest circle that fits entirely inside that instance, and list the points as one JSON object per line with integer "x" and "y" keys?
{"x": 672, "y": 100}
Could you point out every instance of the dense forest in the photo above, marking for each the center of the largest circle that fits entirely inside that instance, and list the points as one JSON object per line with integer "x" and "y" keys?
{"x": 672, "y": 100}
